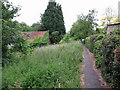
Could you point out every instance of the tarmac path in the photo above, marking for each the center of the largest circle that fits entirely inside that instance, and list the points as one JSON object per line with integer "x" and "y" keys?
{"x": 92, "y": 76}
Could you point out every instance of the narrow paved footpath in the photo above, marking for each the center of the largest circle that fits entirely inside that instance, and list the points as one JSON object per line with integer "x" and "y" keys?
{"x": 91, "y": 78}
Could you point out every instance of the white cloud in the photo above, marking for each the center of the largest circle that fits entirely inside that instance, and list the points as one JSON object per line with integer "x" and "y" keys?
{"x": 31, "y": 9}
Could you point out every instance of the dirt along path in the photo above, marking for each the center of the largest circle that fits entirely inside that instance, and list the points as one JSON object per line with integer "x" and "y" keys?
{"x": 91, "y": 77}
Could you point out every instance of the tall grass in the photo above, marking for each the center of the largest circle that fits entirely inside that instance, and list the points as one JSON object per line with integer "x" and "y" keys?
{"x": 54, "y": 66}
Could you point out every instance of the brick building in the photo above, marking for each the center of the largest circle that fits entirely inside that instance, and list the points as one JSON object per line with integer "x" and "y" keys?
{"x": 111, "y": 27}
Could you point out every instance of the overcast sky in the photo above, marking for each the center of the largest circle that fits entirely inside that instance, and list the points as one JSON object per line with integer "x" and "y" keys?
{"x": 31, "y": 9}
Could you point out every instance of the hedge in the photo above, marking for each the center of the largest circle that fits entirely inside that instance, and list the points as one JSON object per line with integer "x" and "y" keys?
{"x": 106, "y": 49}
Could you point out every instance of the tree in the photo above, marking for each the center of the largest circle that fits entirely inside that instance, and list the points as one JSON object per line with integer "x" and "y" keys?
{"x": 11, "y": 31}
{"x": 84, "y": 26}
{"x": 109, "y": 17}
{"x": 25, "y": 27}
{"x": 36, "y": 26}
{"x": 53, "y": 20}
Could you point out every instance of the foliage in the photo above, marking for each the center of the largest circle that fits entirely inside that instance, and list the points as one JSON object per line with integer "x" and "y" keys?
{"x": 67, "y": 38}
{"x": 109, "y": 17}
{"x": 11, "y": 33}
{"x": 45, "y": 39}
{"x": 8, "y": 10}
{"x": 90, "y": 41}
{"x": 100, "y": 31}
{"x": 110, "y": 65}
{"x": 98, "y": 53}
{"x": 55, "y": 66}
{"x": 84, "y": 26}
{"x": 25, "y": 27}
{"x": 54, "y": 36}
{"x": 113, "y": 20}
{"x": 36, "y": 26}
{"x": 52, "y": 20}
{"x": 94, "y": 44}
{"x": 107, "y": 51}
{"x": 8, "y": 26}
{"x": 38, "y": 42}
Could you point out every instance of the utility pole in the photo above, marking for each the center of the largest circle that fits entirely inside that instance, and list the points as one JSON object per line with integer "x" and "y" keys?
{"x": 51, "y": 0}
{"x": 119, "y": 11}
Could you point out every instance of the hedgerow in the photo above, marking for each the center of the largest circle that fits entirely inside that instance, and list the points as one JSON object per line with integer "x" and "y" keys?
{"x": 107, "y": 52}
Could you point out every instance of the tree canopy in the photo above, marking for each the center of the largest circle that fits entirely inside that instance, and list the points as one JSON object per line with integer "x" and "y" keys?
{"x": 36, "y": 26}
{"x": 84, "y": 26}
{"x": 53, "y": 21}
{"x": 11, "y": 30}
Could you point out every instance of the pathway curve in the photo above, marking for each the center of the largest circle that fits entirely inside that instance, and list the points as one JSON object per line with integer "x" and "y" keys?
{"x": 91, "y": 77}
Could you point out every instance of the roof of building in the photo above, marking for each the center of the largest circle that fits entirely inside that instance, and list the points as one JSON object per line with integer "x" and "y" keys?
{"x": 34, "y": 35}
{"x": 113, "y": 24}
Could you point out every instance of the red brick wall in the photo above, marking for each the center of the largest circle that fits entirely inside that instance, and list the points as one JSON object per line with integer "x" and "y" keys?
{"x": 112, "y": 27}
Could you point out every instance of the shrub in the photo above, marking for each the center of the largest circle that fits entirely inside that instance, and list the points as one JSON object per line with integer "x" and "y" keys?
{"x": 90, "y": 41}
{"x": 98, "y": 53}
{"x": 66, "y": 39}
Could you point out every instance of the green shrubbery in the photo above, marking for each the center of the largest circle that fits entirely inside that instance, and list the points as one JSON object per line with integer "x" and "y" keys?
{"x": 90, "y": 41}
{"x": 55, "y": 66}
{"x": 67, "y": 38}
{"x": 107, "y": 50}
{"x": 94, "y": 44}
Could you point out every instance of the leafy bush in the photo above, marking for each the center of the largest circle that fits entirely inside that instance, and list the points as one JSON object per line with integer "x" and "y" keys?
{"x": 90, "y": 41}
{"x": 67, "y": 38}
{"x": 94, "y": 44}
{"x": 45, "y": 39}
{"x": 87, "y": 42}
{"x": 98, "y": 53}
{"x": 55, "y": 66}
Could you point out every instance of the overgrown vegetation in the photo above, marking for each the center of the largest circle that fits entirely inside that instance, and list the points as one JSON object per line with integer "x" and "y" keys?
{"x": 67, "y": 38}
{"x": 106, "y": 49}
{"x": 55, "y": 66}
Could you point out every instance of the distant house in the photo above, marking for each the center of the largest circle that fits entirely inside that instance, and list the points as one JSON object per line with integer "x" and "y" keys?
{"x": 33, "y": 35}
{"x": 111, "y": 27}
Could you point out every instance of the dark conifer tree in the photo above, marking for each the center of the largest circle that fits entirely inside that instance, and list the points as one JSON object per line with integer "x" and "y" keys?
{"x": 53, "y": 20}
